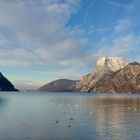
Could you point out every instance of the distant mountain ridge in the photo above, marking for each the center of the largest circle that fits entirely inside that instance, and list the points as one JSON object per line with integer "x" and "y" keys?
{"x": 5, "y": 84}
{"x": 60, "y": 85}
{"x": 111, "y": 75}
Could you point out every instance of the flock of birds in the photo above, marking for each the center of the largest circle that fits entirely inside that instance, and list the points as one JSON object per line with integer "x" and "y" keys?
{"x": 70, "y": 116}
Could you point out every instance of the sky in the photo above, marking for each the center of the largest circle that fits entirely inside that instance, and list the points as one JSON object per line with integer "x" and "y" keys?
{"x": 45, "y": 40}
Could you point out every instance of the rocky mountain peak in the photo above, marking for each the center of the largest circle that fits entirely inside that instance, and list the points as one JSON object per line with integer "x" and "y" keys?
{"x": 111, "y": 63}
{"x": 104, "y": 66}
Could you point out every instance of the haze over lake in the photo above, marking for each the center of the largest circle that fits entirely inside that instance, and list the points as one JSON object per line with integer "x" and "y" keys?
{"x": 57, "y": 116}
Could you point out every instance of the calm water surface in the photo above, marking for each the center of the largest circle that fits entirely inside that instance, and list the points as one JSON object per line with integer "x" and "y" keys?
{"x": 40, "y": 116}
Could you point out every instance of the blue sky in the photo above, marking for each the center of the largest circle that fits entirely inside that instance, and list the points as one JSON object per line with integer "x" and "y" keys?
{"x": 43, "y": 40}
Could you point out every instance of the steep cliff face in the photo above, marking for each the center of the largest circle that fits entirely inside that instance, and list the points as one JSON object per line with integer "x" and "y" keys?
{"x": 104, "y": 66}
{"x": 125, "y": 80}
{"x": 60, "y": 85}
{"x": 6, "y": 85}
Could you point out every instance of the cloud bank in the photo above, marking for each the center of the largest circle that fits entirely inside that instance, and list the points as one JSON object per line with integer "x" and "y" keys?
{"x": 35, "y": 36}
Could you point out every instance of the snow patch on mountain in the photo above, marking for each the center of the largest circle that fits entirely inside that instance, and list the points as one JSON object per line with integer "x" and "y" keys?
{"x": 104, "y": 66}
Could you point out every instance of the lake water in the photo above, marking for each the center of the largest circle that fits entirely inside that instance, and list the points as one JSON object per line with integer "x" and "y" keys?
{"x": 40, "y": 116}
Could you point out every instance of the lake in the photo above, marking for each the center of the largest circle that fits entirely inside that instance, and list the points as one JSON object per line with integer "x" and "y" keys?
{"x": 69, "y": 116}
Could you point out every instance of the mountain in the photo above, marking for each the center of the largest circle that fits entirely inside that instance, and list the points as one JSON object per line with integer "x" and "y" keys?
{"x": 60, "y": 85}
{"x": 5, "y": 84}
{"x": 104, "y": 67}
{"x": 125, "y": 80}
{"x": 111, "y": 75}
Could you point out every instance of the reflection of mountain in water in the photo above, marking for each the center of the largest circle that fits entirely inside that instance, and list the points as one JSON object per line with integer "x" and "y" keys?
{"x": 90, "y": 116}
{"x": 112, "y": 116}
{"x": 115, "y": 116}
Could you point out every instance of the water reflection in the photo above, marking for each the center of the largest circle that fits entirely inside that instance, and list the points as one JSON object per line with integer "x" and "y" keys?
{"x": 67, "y": 117}
{"x": 115, "y": 116}
{"x": 107, "y": 116}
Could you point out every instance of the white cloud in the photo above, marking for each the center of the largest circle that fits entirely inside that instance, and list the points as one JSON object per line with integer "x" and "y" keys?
{"x": 39, "y": 31}
{"x": 123, "y": 45}
{"x": 129, "y": 7}
{"x": 123, "y": 25}
{"x": 34, "y": 34}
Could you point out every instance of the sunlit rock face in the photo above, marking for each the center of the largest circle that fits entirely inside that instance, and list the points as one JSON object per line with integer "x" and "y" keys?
{"x": 104, "y": 66}
{"x": 112, "y": 74}
{"x": 5, "y": 84}
{"x": 125, "y": 80}
{"x": 110, "y": 63}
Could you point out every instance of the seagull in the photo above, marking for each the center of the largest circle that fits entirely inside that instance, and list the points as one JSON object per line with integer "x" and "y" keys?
{"x": 91, "y": 113}
{"x": 69, "y": 126}
{"x": 76, "y": 105}
{"x": 71, "y": 118}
